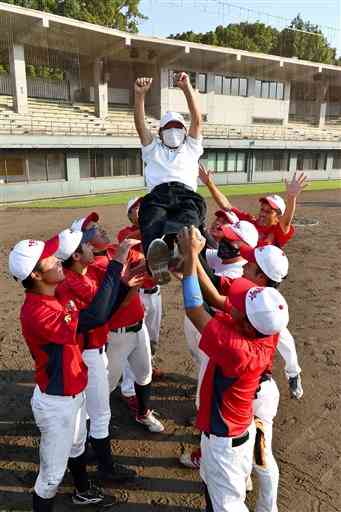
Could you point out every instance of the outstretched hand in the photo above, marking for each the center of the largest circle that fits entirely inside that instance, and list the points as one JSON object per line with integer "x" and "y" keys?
{"x": 205, "y": 175}
{"x": 190, "y": 241}
{"x": 124, "y": 248}
{"x": 296, "y": 185}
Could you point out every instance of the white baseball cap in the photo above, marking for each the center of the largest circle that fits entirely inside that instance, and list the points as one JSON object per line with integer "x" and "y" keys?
{"x": 265, "y": 307}
{"x": 68, "y": 242}
{"x": 25, "y": 255}
{"x": 133, "y": 202}
{"x": 172, "y": 116}
{"x": 270, "y": 258}
{"x": 242, "y": 231}
{"x": 276, "y": 202}
{"x": 81, "y": 223}
{"x": 229, "y": 215}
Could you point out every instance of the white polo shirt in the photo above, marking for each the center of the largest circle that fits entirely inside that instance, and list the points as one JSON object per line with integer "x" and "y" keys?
{"x": 164, "y": 164}
{"x": 232, "y": 270}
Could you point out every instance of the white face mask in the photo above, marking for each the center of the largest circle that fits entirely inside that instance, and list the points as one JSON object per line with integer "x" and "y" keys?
{"x": 173, "y": 137}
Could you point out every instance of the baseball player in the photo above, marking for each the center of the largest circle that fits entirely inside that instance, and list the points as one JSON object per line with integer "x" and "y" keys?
{"x": 267, "y": 266}
{"x": 151, "y": 297}
{"x": 54, "y": 334}
{"x": 274, "y": 221}
{"x": 81, "y": 284}
{"x": 128, "y": 337}
{"x": 230, "y": 264}
{"x": 240, "y": 346}
{"x": 171, "y": 174}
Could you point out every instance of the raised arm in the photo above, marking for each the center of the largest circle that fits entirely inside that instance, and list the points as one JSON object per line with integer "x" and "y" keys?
{"x": 184, "y": 83}
{"x": 142, "y": 86}
{"x": 210, "y": 292}
{"x": 206, "y": 177}
{"x": 294, "y": 188}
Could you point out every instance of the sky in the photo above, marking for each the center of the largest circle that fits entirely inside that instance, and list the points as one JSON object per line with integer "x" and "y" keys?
{"x": 172, "y": 16}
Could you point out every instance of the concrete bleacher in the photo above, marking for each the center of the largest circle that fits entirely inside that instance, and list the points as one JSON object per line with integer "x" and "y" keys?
{"x": 46, "y": 117}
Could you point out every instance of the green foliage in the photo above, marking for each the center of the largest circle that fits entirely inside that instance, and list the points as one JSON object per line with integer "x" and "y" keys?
{"x": 120, "y": 14}
{"x": 297, "y": 40}
{"x": 49, "y": 72}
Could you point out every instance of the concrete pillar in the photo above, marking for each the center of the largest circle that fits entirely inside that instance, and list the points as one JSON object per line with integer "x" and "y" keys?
{"x": 322, "y": 118}
{"x": 210, "y": 97}
{"x": 100, "y": 90}
{"x": 18, "y": 73}
{"x": 251, "y": 99}
{"x": 292, "y": 161}
{"x": 164, "y": 101}
{"x": 287, "y": 90}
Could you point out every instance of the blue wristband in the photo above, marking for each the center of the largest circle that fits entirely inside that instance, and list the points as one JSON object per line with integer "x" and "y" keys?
{"x": 191, "y": 292}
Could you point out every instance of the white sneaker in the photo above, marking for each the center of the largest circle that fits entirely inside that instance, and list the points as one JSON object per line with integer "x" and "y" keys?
{"x": 150, "y": 422}
{"x": 158, "y": 256}
{"x": 191, "y": 459}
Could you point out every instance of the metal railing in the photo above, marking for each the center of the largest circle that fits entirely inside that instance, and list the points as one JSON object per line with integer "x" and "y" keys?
{"x": 33, "y": 126}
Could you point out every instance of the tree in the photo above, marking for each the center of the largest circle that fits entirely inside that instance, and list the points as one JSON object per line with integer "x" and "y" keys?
{"x": 120, "y": 14}
{"x": 301, "y": 39}
{"x": 306, "y": 41}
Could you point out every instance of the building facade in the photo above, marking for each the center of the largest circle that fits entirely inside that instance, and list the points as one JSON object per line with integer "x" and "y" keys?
{"x": 66, "y": 108}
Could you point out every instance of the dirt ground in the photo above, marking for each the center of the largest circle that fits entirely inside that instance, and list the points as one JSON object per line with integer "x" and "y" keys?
{"x": 306, "y": 433}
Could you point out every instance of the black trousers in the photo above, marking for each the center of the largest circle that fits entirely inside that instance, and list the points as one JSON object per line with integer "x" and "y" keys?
{"x": 167, "y": 209}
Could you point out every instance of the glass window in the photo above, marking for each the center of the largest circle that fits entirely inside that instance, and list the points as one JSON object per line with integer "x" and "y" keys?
{"x": 134, "y": 163}
{"x": 37, "y": 169}
{"x": 218, "y": 84}
{"x": 212, "y": 160}
{"x": 258, "y": 88}
{"x": 273, "y": 90}
{"x": 102, "y": 164}
{"x": 202, "y": 82}
{"x": 220, "y": 161}
{"x": 84, "y": 164}
{"x": 226, "y": 85}
{"x": 265, "y": 89}
{"x": 15, "y": 167}
{"x": 243, "y": 87}
{"x": 231, "y": 161}
{"x": 234, "y": 86}
{"x": 241, "y": 162}
{"x": 337, "y": 160}
{"x": 56, "y": 166}
{"x": 280, "y": 91}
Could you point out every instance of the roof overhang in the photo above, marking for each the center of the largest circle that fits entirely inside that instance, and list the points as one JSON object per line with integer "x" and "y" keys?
{"x": 36, "y": 28}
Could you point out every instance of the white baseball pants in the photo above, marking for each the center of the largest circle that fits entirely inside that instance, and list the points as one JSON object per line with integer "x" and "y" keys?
{"x": 225, "y": 469}
{"x": 131, "y": 346}
{"x": 62, "y": 424}
{"x": 152, "y": 304}
{"x": 265, "y": 407}
{"x": 97, "y": 392}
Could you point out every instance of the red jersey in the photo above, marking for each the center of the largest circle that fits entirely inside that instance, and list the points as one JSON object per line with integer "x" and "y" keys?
{"x": 50, "y": 331}
{"x": 232, "y": 376}
{"x": 267, "y": 234}
{"x": 136, "y": 253}
{"x": 129, "y": 313}
{"x": 82, "y": 288}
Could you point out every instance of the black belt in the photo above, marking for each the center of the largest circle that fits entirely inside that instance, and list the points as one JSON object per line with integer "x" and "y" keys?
{"x": 172, "y": 184}
{"x": 150, "y": 291}
{"x": 236, "y": 441}
{"x": 130, "y": 328}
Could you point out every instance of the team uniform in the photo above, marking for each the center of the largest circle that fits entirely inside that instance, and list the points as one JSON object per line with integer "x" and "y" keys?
{"x": 225, "y": 415}
{"x": 273, "y": 235}
{"x": 82, "y": 288}
{"x": 150, "y": 295}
